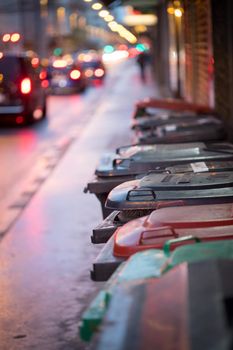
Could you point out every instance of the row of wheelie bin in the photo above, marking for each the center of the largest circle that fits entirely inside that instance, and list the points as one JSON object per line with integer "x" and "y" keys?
{"x": 167, "y": 235}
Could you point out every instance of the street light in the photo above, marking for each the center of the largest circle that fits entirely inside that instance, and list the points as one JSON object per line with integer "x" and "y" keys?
{"x": 113, "y": 25}
{"x": 109, "y": 18}
{"x": 178, "y": 12}
{"x": 103, "y": 13}
{"x": 6, "y": 37}
{"x": 97, "y": 6}
{"x": 15, "y": 37}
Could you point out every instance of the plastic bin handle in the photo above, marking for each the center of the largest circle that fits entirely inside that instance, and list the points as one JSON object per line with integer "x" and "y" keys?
{"x": 150, "y": 128}
{"x": 141, "y": 192}
{"x": 157, "y": 233}
{"x": 118, "y": 150}
{"x": 117, "y": 161}
{"x": 139, "y": 112}
{"x": 167, "y": 245}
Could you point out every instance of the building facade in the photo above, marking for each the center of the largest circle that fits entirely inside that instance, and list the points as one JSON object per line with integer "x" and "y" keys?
{"x": 194, "y": 49}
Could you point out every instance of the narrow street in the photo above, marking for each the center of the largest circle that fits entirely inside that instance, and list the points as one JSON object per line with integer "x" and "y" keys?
{"x": 67, "y": 115}
{"x": 99, "y": 93}
{"x": 38, "y": 148}
{"x": 46, "y": 219}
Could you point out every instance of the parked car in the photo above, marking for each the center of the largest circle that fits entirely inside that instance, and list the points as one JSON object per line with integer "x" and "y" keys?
{"x": 94, "y": 70}
{"x": 65, "y": 78}
{"x": 22, "y": 91}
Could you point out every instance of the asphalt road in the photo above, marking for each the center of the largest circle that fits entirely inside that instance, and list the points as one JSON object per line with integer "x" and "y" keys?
{"x": 27, "y": 153}
{"x": 20, "y": 147}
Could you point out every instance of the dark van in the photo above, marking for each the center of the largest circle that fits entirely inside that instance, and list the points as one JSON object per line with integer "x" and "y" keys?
{"x": 22, "y": 95}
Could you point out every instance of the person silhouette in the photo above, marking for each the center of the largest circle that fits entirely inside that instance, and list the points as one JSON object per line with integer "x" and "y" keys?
{"x": 143, "y": 61}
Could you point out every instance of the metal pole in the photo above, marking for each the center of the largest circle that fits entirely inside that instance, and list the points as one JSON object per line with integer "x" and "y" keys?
{"x": 177, "y": 37}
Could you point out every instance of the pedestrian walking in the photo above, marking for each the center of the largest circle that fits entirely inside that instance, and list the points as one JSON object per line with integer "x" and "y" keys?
{"x": 143, "y": 60}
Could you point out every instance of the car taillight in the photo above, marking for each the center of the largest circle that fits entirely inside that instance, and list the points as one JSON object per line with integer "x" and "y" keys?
{"x": 26, "y": 86}
{"x": 43, "y": 75}
{"x": 99, "y": 72}
{"x": 45, "y": 83}
{"x": 19, "y": 120}
{"x": 89, "y": 73}
{"x": 75, "y": 74}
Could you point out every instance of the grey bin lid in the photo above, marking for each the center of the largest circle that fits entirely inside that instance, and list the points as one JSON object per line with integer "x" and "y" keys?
{"x": 183, "y": 134}
{"x": 189, "y": 189}
{"x": 106, "y": 184}
{"x": 142, "y": 158}
{"x": 214, "y": 166}
{"x": 186, "y": 181}
{"x": 145, "y": 123}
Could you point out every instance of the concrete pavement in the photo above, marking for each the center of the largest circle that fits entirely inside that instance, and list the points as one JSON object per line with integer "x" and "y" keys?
{"x": 46, "y": 256}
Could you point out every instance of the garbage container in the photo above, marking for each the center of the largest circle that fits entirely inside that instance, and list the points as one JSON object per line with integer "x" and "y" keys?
{"x": 139, "y": 197}
{"x": 101, "y": 186}
{"x": 150, "y": 112}
{"x": 172, "y": 189}
{"x": 152, "y": 263}
{"x": 189, "y": 307}
{"x": 138, "y": 159}
{"x": 151, "y": 123}
{"x": 173, "y": 133}
{"x": 206, "y": 223}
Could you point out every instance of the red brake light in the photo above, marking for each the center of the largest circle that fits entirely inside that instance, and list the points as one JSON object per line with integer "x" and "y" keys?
{"x": 26, "y": 86}
{"x": 43, "y": 75}
{"x": 45, "y": 83}
{"x": 19, "y": 120}
{"x": 75, "y": 74}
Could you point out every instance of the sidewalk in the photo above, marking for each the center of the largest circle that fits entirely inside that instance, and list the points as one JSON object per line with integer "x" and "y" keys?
{"x": 46, "y": 257}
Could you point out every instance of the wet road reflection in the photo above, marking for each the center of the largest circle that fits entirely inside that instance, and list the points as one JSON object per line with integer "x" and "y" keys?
{"x": 46, "y": 257}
